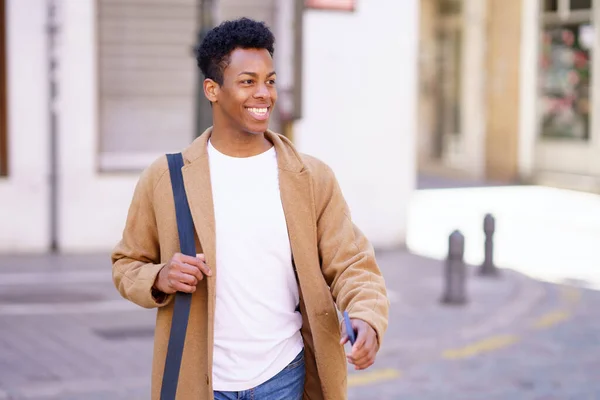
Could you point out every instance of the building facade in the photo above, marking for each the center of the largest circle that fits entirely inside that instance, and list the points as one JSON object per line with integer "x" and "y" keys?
{"x": 97, "y": 89}
{"x": 507, "y": 91}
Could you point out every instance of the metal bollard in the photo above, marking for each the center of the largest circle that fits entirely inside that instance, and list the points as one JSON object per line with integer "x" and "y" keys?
{"x": 489, "y": 227}
{"x": 455, "y": 274}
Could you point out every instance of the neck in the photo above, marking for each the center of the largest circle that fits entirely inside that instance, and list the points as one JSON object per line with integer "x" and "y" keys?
{"x": 235, "y": 143}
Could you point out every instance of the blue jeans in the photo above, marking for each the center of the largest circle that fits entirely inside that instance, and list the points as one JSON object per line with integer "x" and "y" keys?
{"x": 286, "y": 385}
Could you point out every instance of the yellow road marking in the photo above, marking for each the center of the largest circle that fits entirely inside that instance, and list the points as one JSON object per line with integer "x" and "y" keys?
{"x": 483, "y": 346}
{"x": 570, "y": 295}
{"x": 551, "y": 319}
{"x": 369, "y": 378}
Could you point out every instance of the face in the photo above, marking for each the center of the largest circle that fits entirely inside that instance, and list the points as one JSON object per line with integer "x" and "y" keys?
{"x": 246, "y": 98}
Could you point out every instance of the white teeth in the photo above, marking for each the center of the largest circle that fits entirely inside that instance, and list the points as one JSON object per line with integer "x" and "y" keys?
{"x": 258, "y": 110}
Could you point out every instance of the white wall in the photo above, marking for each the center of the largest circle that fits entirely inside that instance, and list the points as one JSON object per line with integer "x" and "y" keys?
{"x": 528, "y": 120}
{"x": 93, "y": 206}
{"x": 360, "y": 110}
{"x": 24, "y": 217}
{"x": 360, "y": 94}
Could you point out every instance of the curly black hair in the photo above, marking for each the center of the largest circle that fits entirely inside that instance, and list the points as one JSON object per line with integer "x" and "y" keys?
{"x": 212, "y": 55}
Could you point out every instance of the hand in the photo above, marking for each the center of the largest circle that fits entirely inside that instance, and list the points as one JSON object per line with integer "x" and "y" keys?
{"x": 365, "y": 348}
{"x": 182, "y": 273}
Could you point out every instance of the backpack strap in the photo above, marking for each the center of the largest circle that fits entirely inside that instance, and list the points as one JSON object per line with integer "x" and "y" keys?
{"x": 183, "y": 301}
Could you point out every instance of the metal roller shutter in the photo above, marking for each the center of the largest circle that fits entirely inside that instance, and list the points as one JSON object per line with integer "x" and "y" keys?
{"x": 147, "y": 78}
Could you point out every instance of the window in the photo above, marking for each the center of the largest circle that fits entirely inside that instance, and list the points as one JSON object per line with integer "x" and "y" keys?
{"x": 450, "y": 7}
{"x": 3, "y": 111}
{"x": 565, "y": 71}
{"x": 147, "y": 80}
{"x": 572, "y": 5}
{"x": 550, "y": 5}
{"x": 580, "y": 5}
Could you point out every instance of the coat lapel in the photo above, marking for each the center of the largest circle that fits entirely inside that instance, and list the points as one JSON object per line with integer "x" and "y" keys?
{"x": 298, "y": 206}
{"x": 300, "y": 213}
{"x": 196, "y": 177}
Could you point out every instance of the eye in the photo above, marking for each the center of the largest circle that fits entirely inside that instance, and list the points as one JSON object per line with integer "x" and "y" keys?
{"x": 247, "y": 81}
{"x": 271, "y": 82}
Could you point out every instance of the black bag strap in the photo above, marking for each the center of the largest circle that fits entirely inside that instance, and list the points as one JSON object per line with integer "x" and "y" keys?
{"x": 183, "y": 301}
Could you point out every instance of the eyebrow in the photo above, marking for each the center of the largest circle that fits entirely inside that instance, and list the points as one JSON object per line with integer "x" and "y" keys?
{"x": 255, "y": 75}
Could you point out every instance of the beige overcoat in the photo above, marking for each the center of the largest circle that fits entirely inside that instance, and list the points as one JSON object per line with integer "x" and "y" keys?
{"x": 335, "y": 265}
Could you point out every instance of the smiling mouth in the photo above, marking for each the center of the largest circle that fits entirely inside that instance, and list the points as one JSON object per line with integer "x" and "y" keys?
{"x": 261, "y": 113}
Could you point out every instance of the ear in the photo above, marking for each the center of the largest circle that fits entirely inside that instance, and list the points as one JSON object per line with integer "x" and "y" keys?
{"x": 211, "y": 90}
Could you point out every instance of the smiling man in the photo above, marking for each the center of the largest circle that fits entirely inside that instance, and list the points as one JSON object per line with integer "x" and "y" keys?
{"x": 277, "y": 250}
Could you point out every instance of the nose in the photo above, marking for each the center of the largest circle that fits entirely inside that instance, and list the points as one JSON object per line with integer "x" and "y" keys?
{"x": 262, "y": 92}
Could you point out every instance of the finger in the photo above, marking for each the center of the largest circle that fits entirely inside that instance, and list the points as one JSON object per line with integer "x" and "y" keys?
{"x": 199, "y": 262}
{"x": 356, "y": 357}
{"x": 361, "y": 338}
{"x": 205, "y": 269}
{"x": 359, "y": 367}
{"x": 188, "y": 279}
{"x": 353, "y": 359}
{"x": 343, "y": 336}
{"x": 368, "y": 357}
{"x": 192, "y": 270}
{"x": 366, "y": 363}
{"x": 182, "y": 287}
{"x": 361, "y": 364}
{"x": 365, "y": 350}
{"x": 344, "y": 339}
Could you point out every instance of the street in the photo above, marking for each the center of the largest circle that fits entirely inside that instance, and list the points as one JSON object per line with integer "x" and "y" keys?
{"x": 65, "y": 333}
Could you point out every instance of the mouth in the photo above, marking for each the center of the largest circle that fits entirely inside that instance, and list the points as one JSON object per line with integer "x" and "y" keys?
{"x": 259, "y": 113}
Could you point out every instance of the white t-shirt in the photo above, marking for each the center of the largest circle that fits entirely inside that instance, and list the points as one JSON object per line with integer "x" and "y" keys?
{"x": 257, "y": 328}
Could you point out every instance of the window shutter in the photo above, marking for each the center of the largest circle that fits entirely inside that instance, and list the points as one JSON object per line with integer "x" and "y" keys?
{"x": 147, "y": 78}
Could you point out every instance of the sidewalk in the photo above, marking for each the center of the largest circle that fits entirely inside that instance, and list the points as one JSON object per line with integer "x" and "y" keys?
{"x": 65, "y": 333}
{"x": 548, "y": 233}
{"x": 420, "y": 325}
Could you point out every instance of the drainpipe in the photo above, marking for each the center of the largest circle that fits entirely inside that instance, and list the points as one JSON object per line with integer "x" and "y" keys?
{"x": 52, "y": 32}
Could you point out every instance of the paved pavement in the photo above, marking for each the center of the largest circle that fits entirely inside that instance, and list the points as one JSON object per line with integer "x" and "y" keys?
{"x": 66, "y": 334}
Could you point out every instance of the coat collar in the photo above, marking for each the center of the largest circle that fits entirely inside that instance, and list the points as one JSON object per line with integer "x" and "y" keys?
{"x": 288, "y": 158}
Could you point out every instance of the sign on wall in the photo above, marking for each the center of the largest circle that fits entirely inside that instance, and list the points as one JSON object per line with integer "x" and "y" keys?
{"x": 344, "y": 5}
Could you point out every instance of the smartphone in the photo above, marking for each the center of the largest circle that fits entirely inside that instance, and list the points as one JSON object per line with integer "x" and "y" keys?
{"x": 349, "y": 330}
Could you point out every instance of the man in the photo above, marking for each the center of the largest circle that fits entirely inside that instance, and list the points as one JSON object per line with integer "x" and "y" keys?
{"x": 277, "y": 249}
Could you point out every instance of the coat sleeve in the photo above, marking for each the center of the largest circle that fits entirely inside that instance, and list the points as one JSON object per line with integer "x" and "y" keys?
{"x": 136, "y": 258}
{"x": 347, "y": 258}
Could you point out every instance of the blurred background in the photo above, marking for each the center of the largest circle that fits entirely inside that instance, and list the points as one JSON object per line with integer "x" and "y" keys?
{"x": 432, "y": 113}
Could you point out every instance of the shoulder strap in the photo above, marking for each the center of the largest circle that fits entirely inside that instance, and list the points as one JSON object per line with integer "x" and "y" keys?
{"x": 183, "y": 301}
